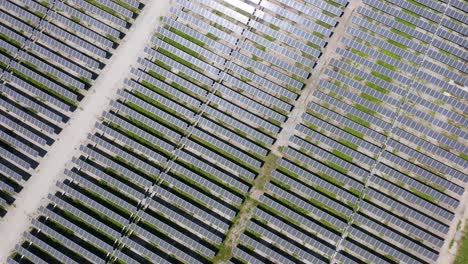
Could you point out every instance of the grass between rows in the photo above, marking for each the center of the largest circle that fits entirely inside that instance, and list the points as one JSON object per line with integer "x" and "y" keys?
{"x": 462, "y": 253}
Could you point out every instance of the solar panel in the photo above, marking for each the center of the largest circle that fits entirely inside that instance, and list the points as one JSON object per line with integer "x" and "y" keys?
{"x": 179, "y": 235}
{"x": 76, "y": 229}
{"x": 205, "y": 166}
{"x": 90, "y": 20}
{"x": 84, "y": 216}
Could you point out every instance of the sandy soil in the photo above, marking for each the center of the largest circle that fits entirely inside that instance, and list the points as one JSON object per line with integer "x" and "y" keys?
{"x": 82, "y": 122}
{"x": 447, "y": 253}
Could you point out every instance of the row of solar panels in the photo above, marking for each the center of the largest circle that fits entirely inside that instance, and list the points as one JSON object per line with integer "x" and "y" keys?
{"x": 50, "y": 53}
{"x": 266, "y": 30}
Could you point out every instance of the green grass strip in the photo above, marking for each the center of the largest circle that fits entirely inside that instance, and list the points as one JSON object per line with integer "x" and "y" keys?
{"x": 354, "y": 132}
{"x": 381, "y": 76}
{"x": 187, "y": 37}
{"x": 358, "y": 120}
{"x": 377, "y": 87}
{"x": 462, "y": 253}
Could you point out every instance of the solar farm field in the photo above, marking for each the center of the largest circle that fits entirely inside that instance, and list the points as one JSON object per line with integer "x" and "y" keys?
{"x": 255, "y": 131}
{"x": 379, "y": 154}
{"x": 50, "y": 54}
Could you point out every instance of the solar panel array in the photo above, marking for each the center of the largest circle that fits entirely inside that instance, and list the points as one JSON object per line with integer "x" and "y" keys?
{"x": 373, "y": 173}
{"x": 379, "y": 158}
{"x": 51, "y": 52}
{"x": 166, "y": 170}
